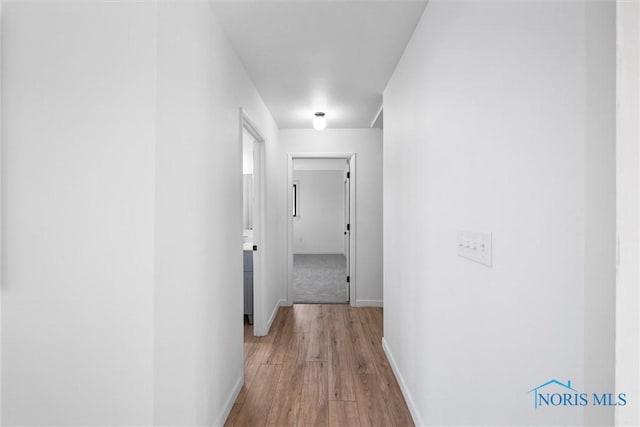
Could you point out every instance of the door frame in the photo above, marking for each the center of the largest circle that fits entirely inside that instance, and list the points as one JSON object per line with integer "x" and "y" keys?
{"x": 259, "y": 323}
{"x": 346, "y": 216}
{"x": 351, "y": 158}
{"x": 627, "y": 352}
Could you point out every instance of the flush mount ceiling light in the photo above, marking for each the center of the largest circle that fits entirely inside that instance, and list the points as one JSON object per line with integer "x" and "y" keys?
{"x": 319, "y": 122}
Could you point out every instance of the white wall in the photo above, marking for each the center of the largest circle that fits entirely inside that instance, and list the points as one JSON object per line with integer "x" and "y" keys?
{"x": 367, "y": 144}
{"x": 319, "y": 226}
{"x": 600, "y": 205}
{"x": 628, "y": 209}
{"x": 198, "y": 250}
{"x": 79, "y": 94}
{"x": 488, "y": 125}
{"x": 320, "y": 164}
{"x": 122, "y": 209}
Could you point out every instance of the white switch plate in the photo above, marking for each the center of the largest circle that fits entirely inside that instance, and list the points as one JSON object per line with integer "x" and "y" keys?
{"x": 475, "y": 245}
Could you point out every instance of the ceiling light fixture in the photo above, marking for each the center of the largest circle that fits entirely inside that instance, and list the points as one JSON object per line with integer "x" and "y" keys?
{"x": 319, "y": 122}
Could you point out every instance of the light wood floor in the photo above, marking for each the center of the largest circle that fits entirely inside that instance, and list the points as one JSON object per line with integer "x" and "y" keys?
{"x": 321, "y": 365}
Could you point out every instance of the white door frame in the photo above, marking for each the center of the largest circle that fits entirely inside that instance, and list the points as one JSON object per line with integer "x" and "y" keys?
{"x": 628, "y": 210}
{"x": 1, "y": 216}
{"x": 259, "y": 324}
{"x": 351, "y": 158}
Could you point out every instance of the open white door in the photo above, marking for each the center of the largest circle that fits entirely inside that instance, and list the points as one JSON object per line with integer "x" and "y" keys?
{"x": 258, "y": 236}
{"x": 347, "y": 225}
{"x": 253, "y": 298}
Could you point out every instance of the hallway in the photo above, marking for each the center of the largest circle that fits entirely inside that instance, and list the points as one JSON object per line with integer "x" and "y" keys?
{"x": 493, "y": 217}
{"x": 321, "y": 365}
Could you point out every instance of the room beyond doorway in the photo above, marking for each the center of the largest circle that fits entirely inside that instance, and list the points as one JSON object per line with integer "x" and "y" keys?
{"x": 320, "y": 278}
{"x": 320, "y": 222}
{"x": 321, "y": 226}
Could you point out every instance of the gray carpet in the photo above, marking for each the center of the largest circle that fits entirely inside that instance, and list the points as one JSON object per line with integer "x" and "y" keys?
{"x": 320, "y": 279}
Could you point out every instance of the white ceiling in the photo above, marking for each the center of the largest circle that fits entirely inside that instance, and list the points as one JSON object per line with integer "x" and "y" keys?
{"x": 332, "y": 56}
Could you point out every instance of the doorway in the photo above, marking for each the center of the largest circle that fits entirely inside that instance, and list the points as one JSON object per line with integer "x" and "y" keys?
{"x": 252, "y": 146}
{"x": 319, "y": 231}
{"x": 321, "y": 228}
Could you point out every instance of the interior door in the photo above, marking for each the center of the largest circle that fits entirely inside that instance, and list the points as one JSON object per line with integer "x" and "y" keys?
{"x": 258, "y": 234}
{"x": 347, "y": 226}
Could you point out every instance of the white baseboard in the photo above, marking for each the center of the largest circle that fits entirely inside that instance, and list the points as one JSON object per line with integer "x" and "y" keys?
{"x": 226, "y": 409}
{"x": 417, "y": 420}
{"x": 369, "y": 303}
{"x": 280, "y": 303}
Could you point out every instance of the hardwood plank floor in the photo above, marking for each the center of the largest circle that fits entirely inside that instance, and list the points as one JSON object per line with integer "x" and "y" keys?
{"x": 321, "y": 365}
{"x": 343, "y": 413}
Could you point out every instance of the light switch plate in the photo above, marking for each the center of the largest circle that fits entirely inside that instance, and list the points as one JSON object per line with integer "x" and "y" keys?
{"x": 475, "y": 245}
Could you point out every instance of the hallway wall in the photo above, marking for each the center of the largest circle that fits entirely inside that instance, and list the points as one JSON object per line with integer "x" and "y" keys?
{"x": 493, "y": 123}
{"x": 198, "y": 208}
{"x": 122, "y": 214}
{"x": 367, "y": 144}
{"x": 79, "y": 132}
{"x": 600, "y": 205}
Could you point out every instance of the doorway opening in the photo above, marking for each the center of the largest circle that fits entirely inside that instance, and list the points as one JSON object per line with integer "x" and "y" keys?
{"x": 252, "y": 146}
{"x": 321, "y": 228}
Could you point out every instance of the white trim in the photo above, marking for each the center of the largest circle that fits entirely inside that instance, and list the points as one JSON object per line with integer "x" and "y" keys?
{"x": 1, "y": 213}
{"x": 351, "y": 158}
{"x": 627, "y": 209}
{"x": 274, "y": 312}
{"x": 289, "y": 240}
{"x": 353, "y": 247}
{"x": 369, "y": 303}
{"x": 417, "y": 420}
{"x": 377, "y": 116}
{"x": 228, "y": 404}
{"x": 251, "y": 128}
{"x": 317, "y": 253}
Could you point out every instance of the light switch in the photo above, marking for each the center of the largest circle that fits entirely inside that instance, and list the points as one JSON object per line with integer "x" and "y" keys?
{"x": 475, "y": 245}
